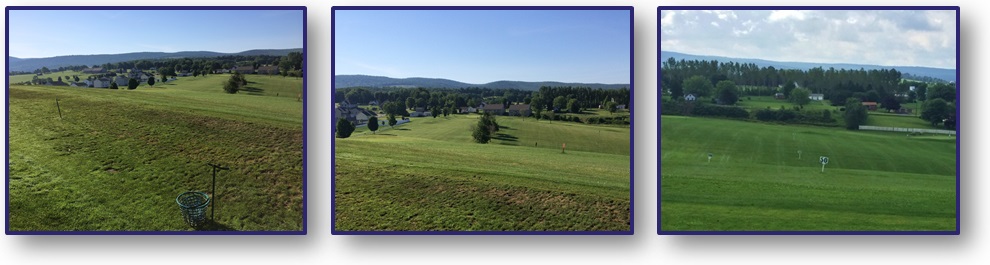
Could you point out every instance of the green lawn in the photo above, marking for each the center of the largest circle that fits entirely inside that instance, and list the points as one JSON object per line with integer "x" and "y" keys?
{"x": 118, "y": 158}
{"x": 754, "y": 103}
{"x": 428, "y": 175}
{"x": 755, "y": 182}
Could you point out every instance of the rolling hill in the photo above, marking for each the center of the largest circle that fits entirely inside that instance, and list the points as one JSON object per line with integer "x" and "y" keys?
{"x": 940, "y": 73}
{"x": 30, "y": 64}
{"x": 345, "y": 81}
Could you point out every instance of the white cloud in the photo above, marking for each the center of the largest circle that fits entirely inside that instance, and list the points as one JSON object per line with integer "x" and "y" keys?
{"x": 778, "y": 15}
{"x": 880, "y": 37}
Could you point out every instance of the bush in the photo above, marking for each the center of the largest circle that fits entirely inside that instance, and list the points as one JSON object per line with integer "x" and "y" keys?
{"x": 344, "y": 128}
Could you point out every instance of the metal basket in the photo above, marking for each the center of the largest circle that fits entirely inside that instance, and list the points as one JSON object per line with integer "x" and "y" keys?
{"x": 193, "y": 205}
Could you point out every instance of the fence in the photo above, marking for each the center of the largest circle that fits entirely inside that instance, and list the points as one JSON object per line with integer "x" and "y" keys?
{"x": 910, "y": 130}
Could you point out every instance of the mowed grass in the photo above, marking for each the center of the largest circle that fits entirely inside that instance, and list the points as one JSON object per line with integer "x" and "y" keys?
{"x": 428, "y": 175}
{"x": 875, "y": 181}
{"x": 118, "y": 158}
{"x": 754, "y": 103}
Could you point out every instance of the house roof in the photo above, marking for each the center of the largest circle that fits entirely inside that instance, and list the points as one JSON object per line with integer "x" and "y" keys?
{"x": 244, "y": 69}
{"x": 494, "y": 107}
{"x": 268, "y": 68}
{"x": 519, "y": 107}
{"x": 869, "y": 103}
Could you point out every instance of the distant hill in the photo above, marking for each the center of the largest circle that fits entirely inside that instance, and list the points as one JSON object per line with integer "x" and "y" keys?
{"x": 30, "y": 64}
{"x": 345, "y": 81}
{"x": 940, "y": 73}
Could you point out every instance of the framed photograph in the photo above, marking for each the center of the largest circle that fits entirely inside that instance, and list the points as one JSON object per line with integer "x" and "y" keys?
{"x": 809, "y": 120}
{"x": 482, "y": 120}
{"x": 156, "y": 120}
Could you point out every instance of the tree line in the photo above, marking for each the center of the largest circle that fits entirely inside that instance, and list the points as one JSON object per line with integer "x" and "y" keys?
{"x": 835, "y": 84}
{"x": 288, "y": 65}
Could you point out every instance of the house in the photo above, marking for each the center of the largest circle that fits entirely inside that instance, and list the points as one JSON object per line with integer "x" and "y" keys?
{"x": 89, "y": 83}
{"x": 466, "y": 110}
{"x": 779, "y": 96}
{"x": 496, "y": 109}
{"x": 690, "y": 97}
{"x": 78, "y": 84}
{"x": 102, "y": 82}
{"x": 121, "y": 81}
{"x": 268, "y": 70}
{"x": 352, "y": 113}
{"x": 816, "y": 96}
{"x": 520, "y": 110}
{"x": 94, "y": 70}
{"x": 244, "y": 70}
{"x": 620, "y": 106}
{"x": 221, "y": 71}
{"x": 870, "y": 105}
{"x": 184, "y": 73}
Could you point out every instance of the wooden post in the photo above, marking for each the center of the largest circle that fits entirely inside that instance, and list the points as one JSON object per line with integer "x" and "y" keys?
{"x": 59, "y": 108}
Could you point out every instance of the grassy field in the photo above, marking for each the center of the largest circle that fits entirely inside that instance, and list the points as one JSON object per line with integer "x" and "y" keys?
{"x": 28, "y": 77}
{"x": 118, "y": 158}
{"x": 428, "y": 175}
{"x": 755, "y": 182}
{"x": 753, "y": 103}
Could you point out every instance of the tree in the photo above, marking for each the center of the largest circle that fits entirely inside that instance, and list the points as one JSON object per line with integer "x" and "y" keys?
{"x": 410, "y": 103}
{"x": 728, "y": 94}
{"x": 698, "y": 85}
{"x": 559, "y": 103}
{"x": 195, "y": 73}
{"x": 482, "y": 132}
{"x": 789, "y": 88}
{"x": 855, "y": 114}
{"x": 132, "y": 84}
{"x": 344, "y": 128}
{"x": 922, "y": 92}
{"x": 435, "y": 111}
{"x": 935, "y": 110}
{"x": 890, "y": 103}
{"x": 943, "y": 91}
{"x": 75, "y": 77}
{"x": 151, "y": 81}
{"x": 573, "y": 106}
{"x": 391, "y": 120}
{"x": 113, "y": 85}
{"x": 233, "y": 84}
{"x": 611, "y": 107}
{"x": 800, "y": 96}
{"x": 373, "y": 124}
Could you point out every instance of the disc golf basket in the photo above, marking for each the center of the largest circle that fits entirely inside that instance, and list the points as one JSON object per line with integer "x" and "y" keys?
{"x": 193, "y": 205}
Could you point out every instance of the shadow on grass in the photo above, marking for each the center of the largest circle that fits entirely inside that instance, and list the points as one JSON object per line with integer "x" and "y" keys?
{"x": 253, "y": 90}
{"x": 211, "y": 225}
{"x": 505, "y": 137}
{"x": 401, "y": 129}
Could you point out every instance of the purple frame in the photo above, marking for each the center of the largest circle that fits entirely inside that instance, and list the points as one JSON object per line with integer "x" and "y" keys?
{"x": 660, "y": 231}
{"x": 7, "y": 121}
{"x": 333, "y": 219}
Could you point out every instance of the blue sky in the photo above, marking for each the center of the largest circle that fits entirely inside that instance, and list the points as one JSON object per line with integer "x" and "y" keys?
{"x": 878, "y": 37}
{"x": 47, "y": 33}
{"x": 480, "y": 46}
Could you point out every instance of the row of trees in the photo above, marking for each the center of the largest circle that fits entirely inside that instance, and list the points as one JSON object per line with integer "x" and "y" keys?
{"x": 558, "y": 99}
{"x": 289, "y": 65}
{"x": 836, "y": 85}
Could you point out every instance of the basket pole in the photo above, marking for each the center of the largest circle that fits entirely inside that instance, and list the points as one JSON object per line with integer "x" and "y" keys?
{"x": 214, "y": 192}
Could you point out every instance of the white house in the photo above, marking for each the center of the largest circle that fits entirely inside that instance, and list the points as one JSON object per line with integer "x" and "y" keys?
{"x": 816, "y": 96}
{"x": 690, "y": 97}
{"x": 103, "y": 82}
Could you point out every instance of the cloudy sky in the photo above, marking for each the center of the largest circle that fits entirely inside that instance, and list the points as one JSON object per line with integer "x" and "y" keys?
{"x": 879, "y": 37}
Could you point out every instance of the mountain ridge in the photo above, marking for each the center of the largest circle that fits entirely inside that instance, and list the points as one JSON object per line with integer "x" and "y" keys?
{"x": 940, "y": 73}
{"x": 31, "y": 64}
{"x": 347, "y": 81}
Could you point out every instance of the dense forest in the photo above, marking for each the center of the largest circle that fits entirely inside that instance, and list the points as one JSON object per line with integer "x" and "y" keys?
{"x": 836, "y": 85}
{"x": 547, "y": 98}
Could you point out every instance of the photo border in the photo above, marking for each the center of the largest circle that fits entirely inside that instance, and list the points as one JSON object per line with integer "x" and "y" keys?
{"x": 177, "y": 8}
{"x": 660, "y": 230}
{"x": 333, "y": 212}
